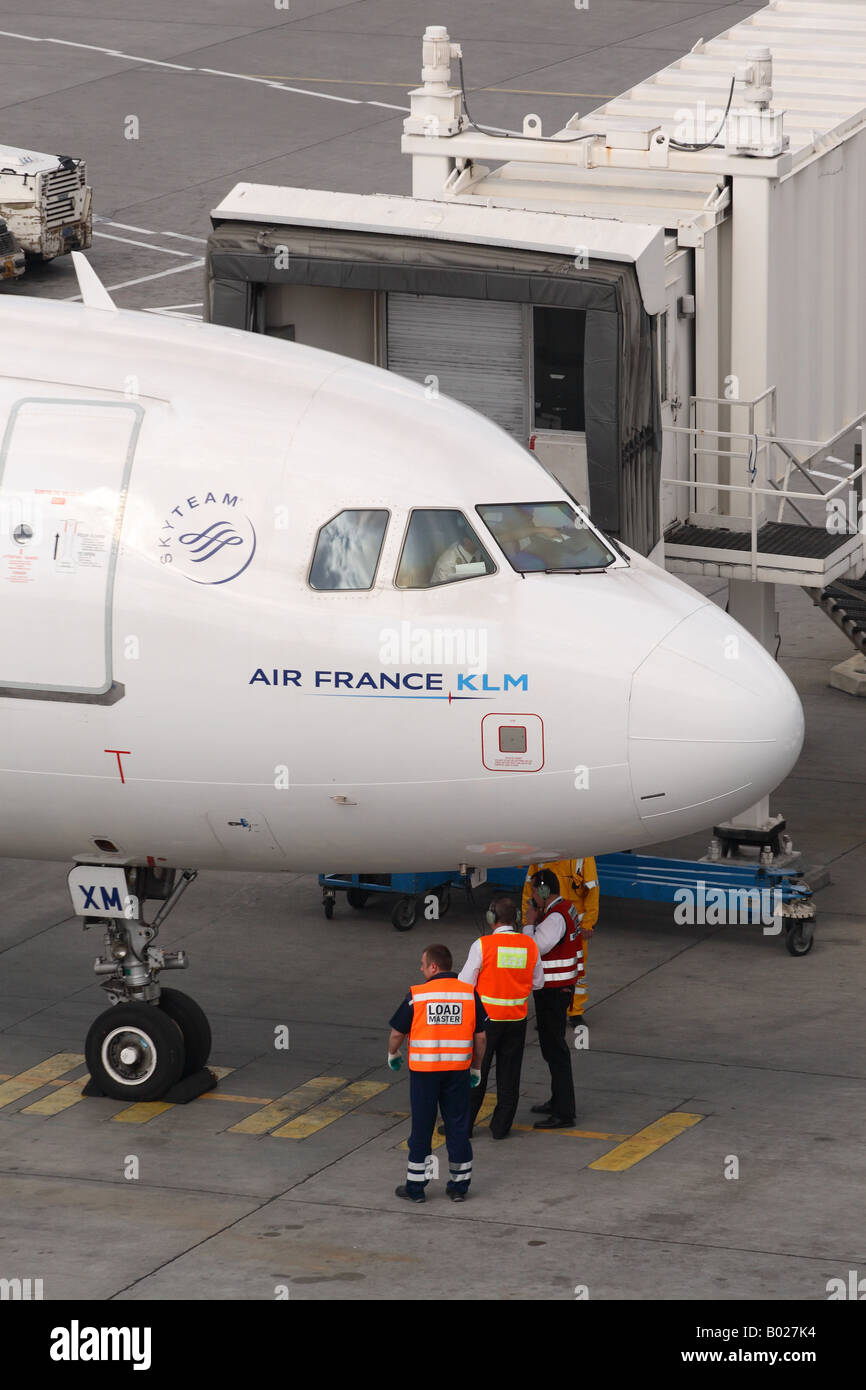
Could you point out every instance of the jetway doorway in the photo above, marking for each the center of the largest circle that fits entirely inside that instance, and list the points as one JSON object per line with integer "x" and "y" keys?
{"x": 556, "y": 348}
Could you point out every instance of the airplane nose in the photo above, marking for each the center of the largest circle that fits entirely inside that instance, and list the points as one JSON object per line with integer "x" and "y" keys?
{"x": 714, "y": 725}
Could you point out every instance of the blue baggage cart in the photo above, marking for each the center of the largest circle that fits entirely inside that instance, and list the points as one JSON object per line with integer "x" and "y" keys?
{"x": 651, "y": 878}
{"x": 409, "y": 889}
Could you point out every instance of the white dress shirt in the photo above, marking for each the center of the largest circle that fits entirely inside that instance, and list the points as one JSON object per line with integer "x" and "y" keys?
{"x": 471, "y": 970}
{"x": 550, "y": 932}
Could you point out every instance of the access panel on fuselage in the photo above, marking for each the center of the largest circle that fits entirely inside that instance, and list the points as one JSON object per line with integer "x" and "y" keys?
{"x": 64, "y": 472}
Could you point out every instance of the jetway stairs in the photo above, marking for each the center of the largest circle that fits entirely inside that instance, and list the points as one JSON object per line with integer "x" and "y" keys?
{"x": 845, "y": 604}
{"x": 771, "y": 509}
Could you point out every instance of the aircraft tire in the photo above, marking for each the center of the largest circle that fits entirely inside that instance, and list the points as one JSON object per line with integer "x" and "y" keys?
{"x": 192, "y": 1021}
{"x": 356, "y": 897}
{"x": 153, "y": 1046}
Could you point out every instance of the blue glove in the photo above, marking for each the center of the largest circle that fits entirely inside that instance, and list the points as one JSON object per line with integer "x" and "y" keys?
{"x": 395, "y": 1061}
{"x": 474, "y": 1078}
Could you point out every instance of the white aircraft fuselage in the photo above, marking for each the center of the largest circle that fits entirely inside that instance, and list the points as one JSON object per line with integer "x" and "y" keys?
{"x": 171, "y": 685}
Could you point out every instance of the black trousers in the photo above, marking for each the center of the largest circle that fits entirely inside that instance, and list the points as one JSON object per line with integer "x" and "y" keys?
{"x": 505, "y": 1040}
{"x": 551, "y": 1012}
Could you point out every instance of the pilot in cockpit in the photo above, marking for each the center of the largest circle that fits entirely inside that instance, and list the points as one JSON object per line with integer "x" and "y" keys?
{"x": 465, "y": 551}
{"x": 545, "y": 536}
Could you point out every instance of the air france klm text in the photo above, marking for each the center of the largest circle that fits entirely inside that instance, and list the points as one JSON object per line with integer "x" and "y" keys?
{"x": 333, "y": 681}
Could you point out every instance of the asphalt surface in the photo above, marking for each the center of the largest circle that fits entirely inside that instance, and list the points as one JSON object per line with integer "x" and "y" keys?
{"x": 761, "y": 1054}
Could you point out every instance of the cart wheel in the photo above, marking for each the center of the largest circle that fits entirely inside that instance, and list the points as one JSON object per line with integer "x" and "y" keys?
{"x": 799, "y": 938}
{"x": 404, "y": 914}
{"x": 443, "y": 897}
{"x": 356, "y": 897}
{"x": 328, "y": 906}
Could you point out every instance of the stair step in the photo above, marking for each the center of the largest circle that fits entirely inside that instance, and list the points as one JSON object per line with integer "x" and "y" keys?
{"x": 845, "y": 605}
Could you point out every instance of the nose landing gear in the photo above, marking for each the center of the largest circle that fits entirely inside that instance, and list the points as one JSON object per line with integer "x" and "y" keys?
{"x": 153, "y": 1043}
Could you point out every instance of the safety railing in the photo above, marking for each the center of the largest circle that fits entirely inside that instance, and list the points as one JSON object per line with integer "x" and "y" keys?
{"x": 769, "y": 462}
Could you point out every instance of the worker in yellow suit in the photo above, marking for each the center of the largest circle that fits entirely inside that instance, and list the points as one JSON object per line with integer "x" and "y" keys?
{"x": 579, "y": 885}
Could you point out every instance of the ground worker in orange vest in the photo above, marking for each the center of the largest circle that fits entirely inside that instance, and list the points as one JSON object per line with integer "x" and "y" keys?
{"x": 505, "y": 968}
{"x": 578, "y": 880}
{"x": 444, "y": 1020}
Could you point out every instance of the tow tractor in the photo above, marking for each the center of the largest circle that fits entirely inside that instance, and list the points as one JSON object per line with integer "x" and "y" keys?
{"x": 45, "y": 201}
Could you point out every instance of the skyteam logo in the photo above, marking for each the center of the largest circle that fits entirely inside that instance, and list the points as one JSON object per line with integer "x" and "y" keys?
{"x": 207, "y": 539}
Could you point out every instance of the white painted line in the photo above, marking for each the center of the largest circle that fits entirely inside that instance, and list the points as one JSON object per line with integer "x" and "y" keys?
{"x": 182, "y": 236}
{"x": 124, "y": 226}
{"x": 147, "y": 231}
{"x": 166, "y": 250}
{"x": 388, "y": 105}
{"x": 197, "y": 304}
{"x": 326, "y": 96}
{"x": 211, "y": 72}
{"x": 143, "y": 279}
{"x": 279, "y": 86}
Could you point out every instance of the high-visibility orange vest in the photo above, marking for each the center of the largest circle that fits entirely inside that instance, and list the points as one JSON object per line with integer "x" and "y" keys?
{"x": 505, "y": 979}
{"x": 443, "y": 1025}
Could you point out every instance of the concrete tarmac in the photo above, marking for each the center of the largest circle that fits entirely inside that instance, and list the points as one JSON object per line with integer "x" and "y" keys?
{"x": 759, "y": 1054}
{"x": 763, "y": 1056}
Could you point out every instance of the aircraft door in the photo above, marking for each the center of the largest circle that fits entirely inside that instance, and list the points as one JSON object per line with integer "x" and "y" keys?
{"x": 65, "y": 466}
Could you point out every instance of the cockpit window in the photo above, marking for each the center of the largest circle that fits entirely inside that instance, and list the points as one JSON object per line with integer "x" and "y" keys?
{"x": 347, "y": 550}
{"x": 440, "y": 547}
{"x": 545, "y": 536}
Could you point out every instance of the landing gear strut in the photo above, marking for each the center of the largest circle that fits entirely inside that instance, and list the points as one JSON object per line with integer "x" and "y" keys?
{"x": 153, "y": 1042}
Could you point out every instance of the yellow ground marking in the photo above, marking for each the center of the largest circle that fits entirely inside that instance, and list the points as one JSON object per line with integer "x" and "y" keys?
{"x": 238, "y": 1100}
{"x": 292, "y": 1103}
{"x": 143, "y": 1110}
{"x": 436, "y": 1142}
{"x": 646, "y": 1141}
{"x": 322, "y": 1115}
{"x": 574, "y": 1133}
{"x": 488, "y": 1105}
{"x": 409, "y": 86}
{"x": 66, "y": 1094}
{"x": 36, "y": 1077}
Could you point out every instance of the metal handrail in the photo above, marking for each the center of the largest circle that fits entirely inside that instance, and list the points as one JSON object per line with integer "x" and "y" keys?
{"x": 759, "y": 454}
{"x": 753, "y": 493}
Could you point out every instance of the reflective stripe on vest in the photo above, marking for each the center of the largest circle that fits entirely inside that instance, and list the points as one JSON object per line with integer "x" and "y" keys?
{"x": 563, "y": 962}
{"x": 505, "y": 979}
{"x": 443, "y": 1025}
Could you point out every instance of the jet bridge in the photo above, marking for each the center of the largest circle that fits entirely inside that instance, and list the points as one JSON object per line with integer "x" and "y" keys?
{"x": 713, "y": 213}
{"x": 542, "y": 321}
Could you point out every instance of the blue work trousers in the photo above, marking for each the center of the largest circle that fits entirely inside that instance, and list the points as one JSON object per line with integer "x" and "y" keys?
{"x": 448, "y": 1092}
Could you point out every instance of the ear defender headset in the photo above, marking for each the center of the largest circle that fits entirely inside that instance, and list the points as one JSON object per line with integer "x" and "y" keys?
{"x": 547, "y": 885}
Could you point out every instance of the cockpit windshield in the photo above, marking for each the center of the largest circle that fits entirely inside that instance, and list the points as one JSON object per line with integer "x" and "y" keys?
{"x": 546, "y": 536}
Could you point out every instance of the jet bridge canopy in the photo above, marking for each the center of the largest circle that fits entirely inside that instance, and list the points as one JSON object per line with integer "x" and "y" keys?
{"x": 611, "y": 272}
